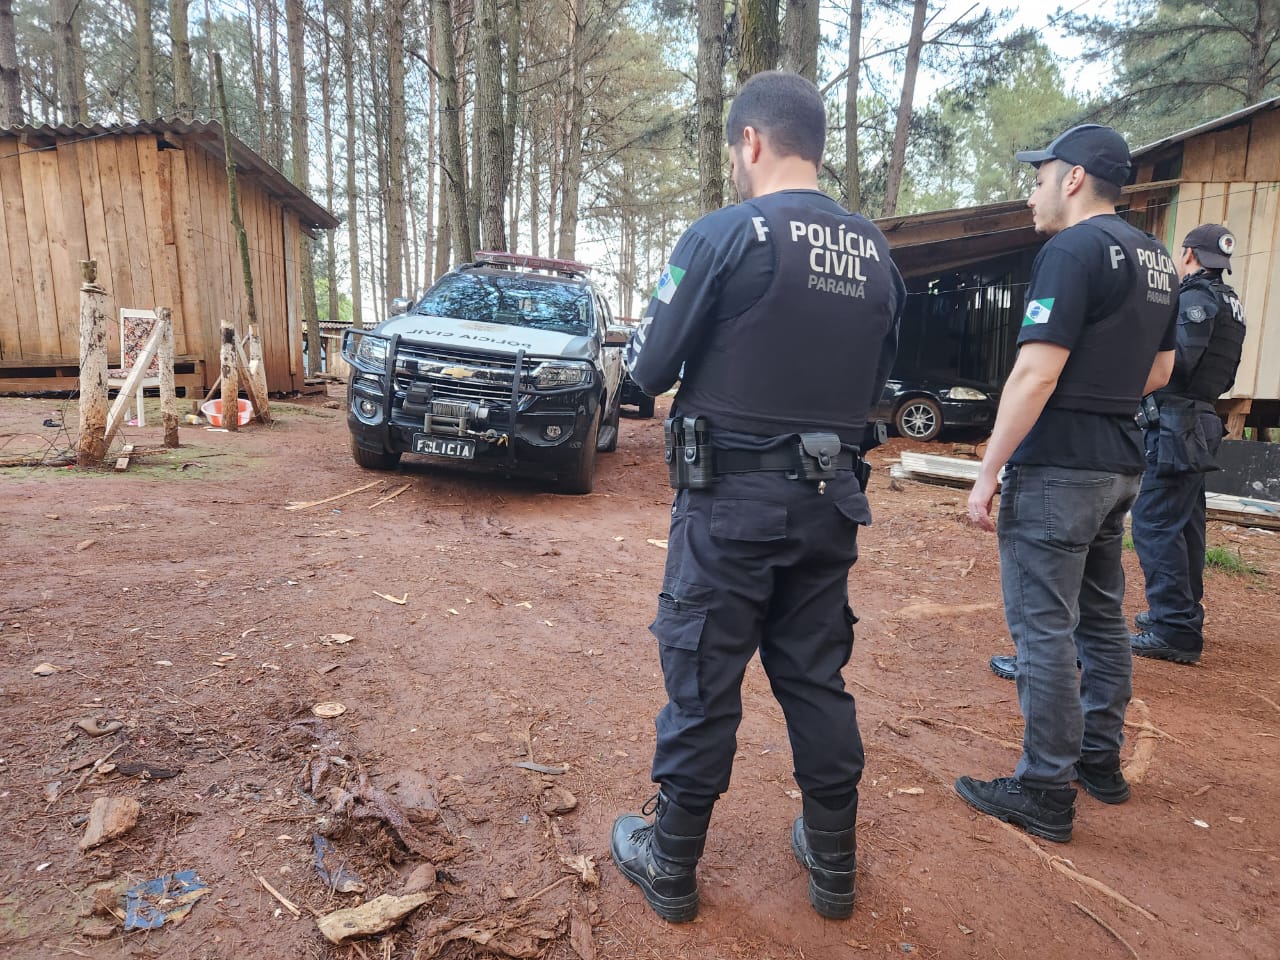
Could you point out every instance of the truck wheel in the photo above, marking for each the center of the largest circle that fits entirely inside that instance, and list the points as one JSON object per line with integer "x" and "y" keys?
{"x": 919, "y": 418}
{"x": 580, "y": 478}
{"x": 374, "y": 461}
{"x": 645, "y": 406}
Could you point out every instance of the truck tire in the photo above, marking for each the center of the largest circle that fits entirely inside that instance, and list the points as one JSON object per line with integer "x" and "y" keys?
{"x": 580, "y": 478}
{"x": 645, "y": 406}
{"x": 374, "y": 461}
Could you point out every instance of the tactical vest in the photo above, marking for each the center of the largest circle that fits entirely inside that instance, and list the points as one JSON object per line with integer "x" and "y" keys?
{"x": 1216, "y": 371}
{"x": 804, "y": 357}
{"x": 1109, "y": 364}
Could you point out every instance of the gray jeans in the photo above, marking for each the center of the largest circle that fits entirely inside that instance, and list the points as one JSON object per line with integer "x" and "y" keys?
{"x": 1061, "y": 536}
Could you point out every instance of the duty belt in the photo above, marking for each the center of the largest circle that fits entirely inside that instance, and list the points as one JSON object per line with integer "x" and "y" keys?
{"x": 781, "y": 459}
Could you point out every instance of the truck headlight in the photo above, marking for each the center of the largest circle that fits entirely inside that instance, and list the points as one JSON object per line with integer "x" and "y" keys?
{"x": 965, "y": 393}
{"x": 551, "y": 374}
{"x": 372, "y": 350}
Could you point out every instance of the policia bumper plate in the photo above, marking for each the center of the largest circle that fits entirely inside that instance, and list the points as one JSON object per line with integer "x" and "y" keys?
{"x": 444, "y": 446}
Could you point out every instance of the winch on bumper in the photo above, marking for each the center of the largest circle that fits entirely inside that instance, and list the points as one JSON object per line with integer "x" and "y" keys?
{"x": 509, "y": 412}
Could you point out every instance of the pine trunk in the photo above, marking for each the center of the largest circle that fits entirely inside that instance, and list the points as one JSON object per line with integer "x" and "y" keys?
{"x": 710, "y": 104}
{"x": 180, "y": 37}
{"x": 301, "y": 167}
{"x": 395, "y": 159}
{"x": 454, "y": 177}
{"x": 898, "y": 156}
{"x": 431, "y": 228}
{"x": 65, "y": 60}
{"x": 490, "y": 140}
{"x": 800, "y": 38}
{"x": 757, "y": 37}
{"x": 275, "y": 150}
{"x": 852, "y": 175}
{"x": 571, "y": 173}
{"x": 326, "y": 115}
{"x": 10, "y": 82}
{"x": 353, "y": 198}
{"x": 146, "y": 59}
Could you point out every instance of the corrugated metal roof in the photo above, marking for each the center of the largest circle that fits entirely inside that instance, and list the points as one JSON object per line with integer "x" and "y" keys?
{"x": 208, "y": 135}
{"x": 1226, "y": 120}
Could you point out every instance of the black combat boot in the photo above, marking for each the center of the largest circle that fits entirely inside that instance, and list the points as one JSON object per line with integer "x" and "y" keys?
{"x": 661, "y": 857}
{"x": 825, "y": 843}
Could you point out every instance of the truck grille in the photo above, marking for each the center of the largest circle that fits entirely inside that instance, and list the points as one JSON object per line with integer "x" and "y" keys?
{"x": 461, "y": 375}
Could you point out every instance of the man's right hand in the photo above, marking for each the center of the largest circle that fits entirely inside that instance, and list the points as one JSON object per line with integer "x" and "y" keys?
{"x": 980, "y": 497}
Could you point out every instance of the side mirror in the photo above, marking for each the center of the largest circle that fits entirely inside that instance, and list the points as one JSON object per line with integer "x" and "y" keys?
{"x": 398, "y": 306}
{"x": 616, "y": 337}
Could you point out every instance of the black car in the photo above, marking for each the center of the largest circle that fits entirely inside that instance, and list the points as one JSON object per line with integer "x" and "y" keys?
{"x": 921, "y": 407}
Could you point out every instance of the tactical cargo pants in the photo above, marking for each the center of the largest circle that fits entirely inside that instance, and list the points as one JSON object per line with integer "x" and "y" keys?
{"x": 758, "y": 563}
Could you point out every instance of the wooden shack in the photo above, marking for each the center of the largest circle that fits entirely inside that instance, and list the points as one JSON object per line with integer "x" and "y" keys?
{"x": 149, "y": 202}
{"x": 968, "y": 267}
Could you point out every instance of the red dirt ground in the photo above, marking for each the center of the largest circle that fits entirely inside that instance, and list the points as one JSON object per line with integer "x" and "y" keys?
{"x": 183, "y": 599}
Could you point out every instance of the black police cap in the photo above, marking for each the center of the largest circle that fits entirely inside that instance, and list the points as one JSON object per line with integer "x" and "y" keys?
{"x": 1213, "y": 244}
{"x": 1100, "y": 150}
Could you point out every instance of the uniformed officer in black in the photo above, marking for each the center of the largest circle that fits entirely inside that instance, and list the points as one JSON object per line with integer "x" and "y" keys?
{"x": 1183, "y": 433}
{"x": 782, "y": 311}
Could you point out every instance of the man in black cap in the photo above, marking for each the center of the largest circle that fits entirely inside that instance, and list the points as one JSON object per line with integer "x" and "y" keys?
{"x": 1183, "y": 433}
{"x": 1097, "y": 335}
{"x": 779, "y": 315}
{"x": 1169, "y": 514}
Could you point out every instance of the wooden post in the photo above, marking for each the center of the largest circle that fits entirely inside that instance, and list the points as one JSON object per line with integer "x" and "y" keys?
{"x": 91, "y": 446}
{"x": 258, "y": 374}
{"x": 168, "y": 394}
{"x": 230, "y": 379}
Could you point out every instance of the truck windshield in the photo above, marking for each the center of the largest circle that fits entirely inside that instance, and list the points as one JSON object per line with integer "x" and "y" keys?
{"x": 518, "y": 300}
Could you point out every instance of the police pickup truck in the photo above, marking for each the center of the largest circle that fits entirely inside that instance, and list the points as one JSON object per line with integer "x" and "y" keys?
{"x": 508, "y": 362}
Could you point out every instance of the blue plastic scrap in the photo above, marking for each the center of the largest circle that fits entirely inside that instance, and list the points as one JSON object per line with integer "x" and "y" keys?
{"x": 153, "y": 903}
{"x": 334, "y": 874}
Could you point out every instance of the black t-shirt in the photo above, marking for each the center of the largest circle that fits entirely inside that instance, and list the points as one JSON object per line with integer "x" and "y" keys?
{"x": 1071, "y": 286}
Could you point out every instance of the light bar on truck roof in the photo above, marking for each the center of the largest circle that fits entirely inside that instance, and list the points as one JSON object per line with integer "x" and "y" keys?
{"x": 570, "y": 268}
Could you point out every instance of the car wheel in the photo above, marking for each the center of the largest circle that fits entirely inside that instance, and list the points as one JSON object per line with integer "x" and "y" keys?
{"x": 645, "y": 406}
{"x": 580, "y": 478}
{"x": 373, "y": 461}
{"x": 918, "y": 419}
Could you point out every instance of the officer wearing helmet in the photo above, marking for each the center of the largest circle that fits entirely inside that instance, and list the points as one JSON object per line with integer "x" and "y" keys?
{"x": 1183, "y": 433}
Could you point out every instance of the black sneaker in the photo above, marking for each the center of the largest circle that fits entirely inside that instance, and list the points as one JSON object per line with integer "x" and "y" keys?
{"x": 1103, "y": 780}
{"x": 1005, "y": 666}
{"x": 1147, "y": 644}
{"x": 1143, "y": 621}
{"x": 1044, "y": 813}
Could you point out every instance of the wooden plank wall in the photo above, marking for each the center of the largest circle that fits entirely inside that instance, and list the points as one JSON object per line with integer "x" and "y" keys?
{"x": 158, "y": 223}
{"x": 221, "y": 288}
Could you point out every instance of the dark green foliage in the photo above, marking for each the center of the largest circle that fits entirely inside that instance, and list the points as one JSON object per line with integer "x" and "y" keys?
{"x": 1178, "y": 63}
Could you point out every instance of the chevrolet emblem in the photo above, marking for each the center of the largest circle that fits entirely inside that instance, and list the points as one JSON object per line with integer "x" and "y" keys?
{"x": 458, "y": 373}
